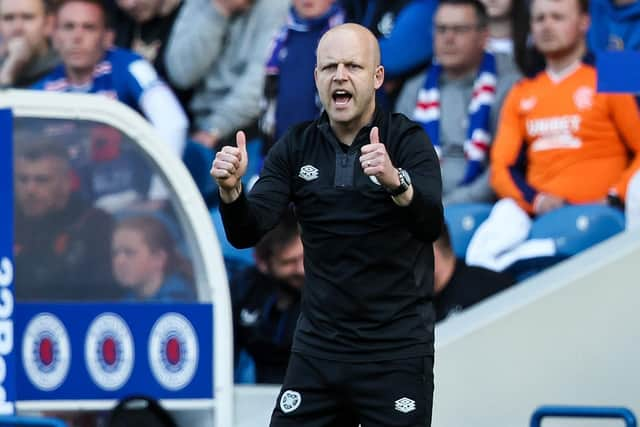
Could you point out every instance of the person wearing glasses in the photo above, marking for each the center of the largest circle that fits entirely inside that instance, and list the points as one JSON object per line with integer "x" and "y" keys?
{"x": 458, "y": 98}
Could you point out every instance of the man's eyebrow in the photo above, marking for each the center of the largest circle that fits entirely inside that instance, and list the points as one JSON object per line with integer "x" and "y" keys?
{"x": 327, "y": 63}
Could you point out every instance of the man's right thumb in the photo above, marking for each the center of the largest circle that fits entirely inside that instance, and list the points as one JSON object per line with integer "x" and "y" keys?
{"x": 241, "y": 142}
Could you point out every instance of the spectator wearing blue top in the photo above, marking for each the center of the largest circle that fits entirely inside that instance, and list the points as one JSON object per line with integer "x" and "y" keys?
{"x": 146, "y": 263}
{"x": 83, "y": 39}
{"x": 615, "y": 25}
{"x": 144, "y": 26}
{"x": 89, "y": 65}
{"x": 290, "y": 91}
{"x": 403, "y": 30}
{"x": 405, "y": 35}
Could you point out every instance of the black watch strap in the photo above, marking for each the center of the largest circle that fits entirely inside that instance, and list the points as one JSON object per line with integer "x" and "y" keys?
{"x": 405, "y": 182}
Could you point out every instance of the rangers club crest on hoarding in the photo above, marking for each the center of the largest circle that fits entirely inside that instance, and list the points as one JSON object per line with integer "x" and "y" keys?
{"x": 109, "y": 352}
{"x": 46, "y": 353}
{"x": 173, "y": 351}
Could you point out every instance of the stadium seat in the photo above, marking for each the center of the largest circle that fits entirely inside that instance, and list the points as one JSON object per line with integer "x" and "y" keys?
{"x": 463, "y": 219}
{"x": 578, "y": 227}
{"x": 245, "y": 370}
{"x": 573, "y": 229}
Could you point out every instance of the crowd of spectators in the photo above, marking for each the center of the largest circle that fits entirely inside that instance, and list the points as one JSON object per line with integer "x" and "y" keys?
{"x": 505, "y": 89}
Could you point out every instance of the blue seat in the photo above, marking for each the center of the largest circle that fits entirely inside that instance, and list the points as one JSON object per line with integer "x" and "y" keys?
{"x": 463, "y": 219}
{"x": 245, "y": 369}
{"x": 578, "y": 227}
{"x": 573, "y": 229}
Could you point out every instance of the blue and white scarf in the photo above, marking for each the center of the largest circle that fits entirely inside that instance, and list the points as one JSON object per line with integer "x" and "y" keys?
{"x": 476, "y": 146}
{"x": 334, "y": 16}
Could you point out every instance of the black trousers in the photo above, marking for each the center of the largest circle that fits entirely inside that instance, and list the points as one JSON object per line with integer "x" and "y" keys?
{"x": 326, "y": 393}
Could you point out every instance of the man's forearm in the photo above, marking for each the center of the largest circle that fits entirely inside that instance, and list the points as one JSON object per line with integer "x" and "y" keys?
{"x": 230, "y": 196}
{"x": 405, "y": 198}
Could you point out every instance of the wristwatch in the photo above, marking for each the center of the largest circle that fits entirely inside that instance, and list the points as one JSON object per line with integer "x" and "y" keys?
{"x": 405, "y": 182}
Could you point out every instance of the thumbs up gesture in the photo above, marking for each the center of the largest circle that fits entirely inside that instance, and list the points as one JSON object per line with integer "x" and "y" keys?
{"x": 375, "y": 161}
{"x": 229, "y": 167}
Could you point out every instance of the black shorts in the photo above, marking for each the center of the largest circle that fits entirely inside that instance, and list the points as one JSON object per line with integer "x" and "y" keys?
{"x": 326, "y": 393}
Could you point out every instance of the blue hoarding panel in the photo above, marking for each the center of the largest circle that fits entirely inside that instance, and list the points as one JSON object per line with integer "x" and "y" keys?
{"x": 618, "y": 71}
{"x": 7, "y": 337}
{"x": 107, "y": 351}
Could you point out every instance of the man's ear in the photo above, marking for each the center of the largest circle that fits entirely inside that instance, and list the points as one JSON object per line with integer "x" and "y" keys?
{"x": 54, "y": 40}
{"x": 161, "y": 257}
{"x": 484, "y": 37}
{"x": 108, "y": 39}
{"x": 261, "y": 264}
{"x": 378, "y": 77}
{"x": 585, "y": 23}
{"x": 49, "y": 25}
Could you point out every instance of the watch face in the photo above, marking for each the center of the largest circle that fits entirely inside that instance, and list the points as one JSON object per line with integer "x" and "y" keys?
{"x": 404, "y": 177}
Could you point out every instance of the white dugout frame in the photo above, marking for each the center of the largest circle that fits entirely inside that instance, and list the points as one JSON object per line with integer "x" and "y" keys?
{"x": 207, "y": 257}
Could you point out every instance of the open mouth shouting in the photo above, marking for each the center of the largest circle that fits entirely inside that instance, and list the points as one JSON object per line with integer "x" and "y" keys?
{"x": 341, "y": 98}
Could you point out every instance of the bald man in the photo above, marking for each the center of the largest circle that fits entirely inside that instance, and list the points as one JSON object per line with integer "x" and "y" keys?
{"x": 366, "y": 189}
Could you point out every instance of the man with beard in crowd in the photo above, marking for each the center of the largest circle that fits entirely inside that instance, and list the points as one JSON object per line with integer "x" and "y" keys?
{"x": 267, "y": 301}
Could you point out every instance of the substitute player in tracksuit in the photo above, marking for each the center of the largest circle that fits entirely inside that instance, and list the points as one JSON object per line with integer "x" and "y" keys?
{"x": 367, "y": 191}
